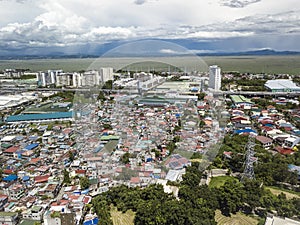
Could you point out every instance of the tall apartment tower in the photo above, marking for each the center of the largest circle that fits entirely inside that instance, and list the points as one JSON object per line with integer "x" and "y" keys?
{"x": 214, "y": 77}
{"x": 106, "y": 74}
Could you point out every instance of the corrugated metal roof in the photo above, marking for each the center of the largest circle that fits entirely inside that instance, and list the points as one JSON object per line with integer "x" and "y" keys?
{"x": 44, "y": 116}
{"x": 31, "y": 146}
{"x": 281, "y": 84}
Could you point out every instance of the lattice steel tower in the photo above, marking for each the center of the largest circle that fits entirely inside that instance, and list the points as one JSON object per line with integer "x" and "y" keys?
{"x": 250, "y": 159}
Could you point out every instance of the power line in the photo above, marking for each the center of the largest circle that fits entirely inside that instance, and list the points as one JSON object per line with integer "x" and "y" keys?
{"x": 250, "y": 159}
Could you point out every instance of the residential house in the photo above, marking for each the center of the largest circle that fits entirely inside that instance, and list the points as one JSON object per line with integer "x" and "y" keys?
{"x": 265, "y": 141}
{"x": 3, "y": 201}
{"x": 9, "y": 218}
{"x": 34, "y": 213}
{"x": 16, "y": 191}
{"x": 291, "y": 142}
{"x": 177, "y": 162}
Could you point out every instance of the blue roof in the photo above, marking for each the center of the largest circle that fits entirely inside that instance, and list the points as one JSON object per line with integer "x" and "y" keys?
{"x": 10, "y": 177}
{"x": 31, "y": 146}
{"x": 90, "y": 222}
{"x": 294, "y": 168}
{"x": 26, "y": 178}
{"x": 39, "y": 116}
{"x": 245, "y": 131}
{"x": 84, "y": 192}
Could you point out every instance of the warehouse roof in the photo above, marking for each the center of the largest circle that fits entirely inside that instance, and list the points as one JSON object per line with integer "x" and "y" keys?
{"x": 44, "y": 116}
{"x": 281, "y": 84}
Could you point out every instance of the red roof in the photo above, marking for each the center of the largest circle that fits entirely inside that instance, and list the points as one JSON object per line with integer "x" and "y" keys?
{"x": 227, "y": 153}
{"x": 35, "y": 160}
{"x": 284, "y": 151}
{"x": 263, "y": 139}
{"x": 3, "y": 196}
{"x": 7, "y": 171}
{"x": 265, "y": 128}
{"x": 41, "y": 179}
{"x": 135, "y": 180}
{"x": 267, "y": 121}
{"x": 80, "y": 171}
{"x": 60, "y": 202}
{"x": 271, "y": 107}
{"x": 86, "y": 199}
{"x": 12, "y": 149}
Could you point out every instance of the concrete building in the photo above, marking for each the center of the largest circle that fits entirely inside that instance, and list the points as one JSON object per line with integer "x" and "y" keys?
{"x": 281, "y": 85}
{"x": 64, "y": 79}
{"x": 13, "y": 73}
{"x": 89, "y": 78}
{"x": 47, "y": 78}
{"x": 214, "y": 77}
{"x": 274, "y": 220}
{"x": 106, "y": 74}
{"x": 9, "y": 218}
{"x": 59, "y": 218}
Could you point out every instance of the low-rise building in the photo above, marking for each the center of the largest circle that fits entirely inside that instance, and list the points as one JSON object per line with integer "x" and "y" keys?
{"x": 9, "y": 218}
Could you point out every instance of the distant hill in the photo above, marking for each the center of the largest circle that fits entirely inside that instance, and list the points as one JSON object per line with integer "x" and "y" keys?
{"x": 263, "y": 52}
{"x": 61, "y": 55}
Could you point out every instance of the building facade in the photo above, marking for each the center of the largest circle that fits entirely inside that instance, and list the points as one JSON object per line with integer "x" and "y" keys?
{"x": 214, "y": 77}
{"x": 106, "y": 74}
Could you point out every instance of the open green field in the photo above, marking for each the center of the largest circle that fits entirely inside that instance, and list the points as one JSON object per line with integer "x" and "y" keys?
{"x": 251, "y": 64}
{"x": 217, "y": 182}
{"x": 46, "y": 108}
{"x": 289, "y": 194}
{"x": 234, "y": 219}
{"x": 120, "y": 218}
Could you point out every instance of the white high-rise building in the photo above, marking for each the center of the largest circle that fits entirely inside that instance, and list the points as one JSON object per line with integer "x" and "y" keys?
{"x": 106, "y": 74}
{"x": 214, "y": 77}
{"x": 47, "y": 78}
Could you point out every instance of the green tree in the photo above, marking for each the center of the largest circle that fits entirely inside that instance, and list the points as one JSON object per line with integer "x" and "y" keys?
{"x": 84, "y": 182}
{"x": 67, "y": 179}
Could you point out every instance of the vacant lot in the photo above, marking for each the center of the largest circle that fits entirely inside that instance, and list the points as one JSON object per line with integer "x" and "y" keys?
{"x": 289, "y": 194}
{"x": 234, "y": 219}
{"x": 120, "y": 218}
{"x": 219, "y": 181}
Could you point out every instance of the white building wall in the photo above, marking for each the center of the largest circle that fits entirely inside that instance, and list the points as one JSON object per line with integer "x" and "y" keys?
{"x": 106, "y": 74}
{"x": 214, "y": 77}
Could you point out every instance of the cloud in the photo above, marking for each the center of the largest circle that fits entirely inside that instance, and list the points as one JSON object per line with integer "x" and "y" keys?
{"x": 61, "y": 23}
{"x": 18, "y": 1}
{"x": 140, "y": 2}
{"x": 238, "y": 3}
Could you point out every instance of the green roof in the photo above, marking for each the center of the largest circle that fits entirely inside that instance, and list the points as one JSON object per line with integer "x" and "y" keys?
{"x": 240, "y": 99}
{"x": 8, "y": 213}
{"x": 109, "y": 137}
{"x": 5, "y": 145}
{"x": 44, "y": 116}
{"x": 28, "y": 222}
{"x": 36, "y": 208}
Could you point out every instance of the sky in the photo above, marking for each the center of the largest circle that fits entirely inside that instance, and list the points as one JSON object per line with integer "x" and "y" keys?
{"x": 32, "y": 27}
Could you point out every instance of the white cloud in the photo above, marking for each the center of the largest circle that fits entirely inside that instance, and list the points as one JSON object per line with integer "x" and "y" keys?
{"x": 75, "y": 22}
{"x": 238, "y": 3}
{"x": 140, "y": 2}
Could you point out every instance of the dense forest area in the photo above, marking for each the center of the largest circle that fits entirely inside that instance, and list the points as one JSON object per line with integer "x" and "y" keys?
{"x": 195, "y": 204}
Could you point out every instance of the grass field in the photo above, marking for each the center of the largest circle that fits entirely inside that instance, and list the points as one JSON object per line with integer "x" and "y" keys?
{"x": 120, "y": 218}
{"x": 234, "y": 219}
{"x": 251, "y": 64}
{"x": 219, "y": 181}
{"x": 289, "y": 194}
{"x": 46, "y": 108}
